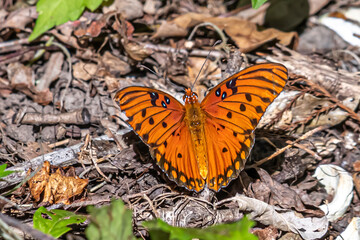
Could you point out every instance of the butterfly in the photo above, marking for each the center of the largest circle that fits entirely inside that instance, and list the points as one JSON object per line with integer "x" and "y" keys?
{"x": 204, "y": 144}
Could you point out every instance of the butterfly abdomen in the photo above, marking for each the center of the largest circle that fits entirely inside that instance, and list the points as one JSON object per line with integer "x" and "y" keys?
{"x": 195, "y": 120}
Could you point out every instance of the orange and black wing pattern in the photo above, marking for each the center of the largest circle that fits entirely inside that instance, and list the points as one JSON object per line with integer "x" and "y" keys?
{"x": 158, "y": 118}
{"x": 233, "y": 109}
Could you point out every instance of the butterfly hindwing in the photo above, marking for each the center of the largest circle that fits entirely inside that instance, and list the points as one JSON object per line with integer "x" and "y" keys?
{"x": 153, "y": 114}
{"x": 176, "y": 157}
{"x": 233, "y": 109}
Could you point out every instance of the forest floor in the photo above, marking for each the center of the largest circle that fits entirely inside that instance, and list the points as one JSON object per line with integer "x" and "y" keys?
{"x": 302, "y": 178}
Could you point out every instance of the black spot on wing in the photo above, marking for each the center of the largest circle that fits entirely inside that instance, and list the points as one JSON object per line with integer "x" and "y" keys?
{"x": 242, "y": 107}
{"x": 248, "y": 97}
{"x": 143, "y": 113}
{"x": 259, "y": 109}
{"x": 218, "y": 92}
{"x": 254, "y": 122}
{"x": 151, "y": 121}
{"x": 265, "y": 100}
{"x": 229, "y": 115}
{"x": 154, "y": 96}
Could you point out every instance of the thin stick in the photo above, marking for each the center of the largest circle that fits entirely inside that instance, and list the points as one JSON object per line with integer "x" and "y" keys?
{"x": 278, "y": 152}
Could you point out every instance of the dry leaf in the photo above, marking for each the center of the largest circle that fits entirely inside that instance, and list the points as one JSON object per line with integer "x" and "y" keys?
{"x": 114, "y": 64}
{"x": 22, "y": 79}
{"x": 242, "y": 32}
{"x": 57, "y": 187}
{"x": 35, "y": 149}
{"x": 84, "y": 71}
{"x": 137, "y": 50}
{"x": 38, "y": 182}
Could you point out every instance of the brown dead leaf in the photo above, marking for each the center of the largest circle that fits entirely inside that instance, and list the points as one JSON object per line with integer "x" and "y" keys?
{"x": 137, "y": 50}
{"x": 52, "y": 71}
{"x": 84, "y": 71}
{"x": 114, "y": 64}
{"x": 268, "y": 233}
{"x": 112, "y": 83}
{"x": 22, "y": 79}
{"x": 38, "y": 182}
{"x": 129, "y": 9}
{"x": 242, "y": 32}
{"x": 57, "y": 187}
{"x": 20, "y": 18}
{"x": 61, "y": 188}
{"x": 277, "y": 194}
{"x": 93, "y": 30}
{"x": 35, "y": 149}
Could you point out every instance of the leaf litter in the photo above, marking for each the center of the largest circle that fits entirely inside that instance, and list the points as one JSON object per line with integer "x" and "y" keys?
{"x": 48, "y": 108}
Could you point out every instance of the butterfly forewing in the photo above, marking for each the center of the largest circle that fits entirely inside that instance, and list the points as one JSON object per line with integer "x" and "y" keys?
{"x": 233, "y": 110}
{"x": 153, "y": 114}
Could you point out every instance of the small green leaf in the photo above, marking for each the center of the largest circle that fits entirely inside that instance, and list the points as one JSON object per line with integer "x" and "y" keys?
{"x": 56, "y": 12}
{"x": 112, "y": 222}
{"x": 58, "y": 224}
{"x": 234, "y": 231}
{"x": 257, "y": 3}
{"x": 3, "y": 172}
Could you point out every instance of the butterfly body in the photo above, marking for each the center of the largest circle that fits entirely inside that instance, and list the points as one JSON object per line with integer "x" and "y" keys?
{"x": 204, "y": 144}
{"x": 195, "y": 121}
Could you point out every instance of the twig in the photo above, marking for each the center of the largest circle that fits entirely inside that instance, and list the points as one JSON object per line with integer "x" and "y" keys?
{"x": 217, "y": 29}
{"x": 298, "y": 145}
{"x": 79, "y": 117}
{"x": 351, "y": 113}
{"x": 278, "y": 152}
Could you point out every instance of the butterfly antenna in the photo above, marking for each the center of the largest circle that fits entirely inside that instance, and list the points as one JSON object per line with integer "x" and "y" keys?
{"x": 207, "y": 57}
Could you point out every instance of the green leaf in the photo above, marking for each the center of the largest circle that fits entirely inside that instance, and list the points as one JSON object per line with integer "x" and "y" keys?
{"x": 4, "y": 173}
{"x": 257, "y": 3}
{"x": 56, "y": 12}
{"x": 58, "y": 224}
{"x": 112, "y": 222}
{"x": 234, "y": 231}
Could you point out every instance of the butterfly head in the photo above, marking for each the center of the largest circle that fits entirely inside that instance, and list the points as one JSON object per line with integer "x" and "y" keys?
{"x": 190, "y": 96}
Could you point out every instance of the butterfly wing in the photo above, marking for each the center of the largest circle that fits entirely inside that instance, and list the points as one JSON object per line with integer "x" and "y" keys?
{"x": 233, "y": 109}
{"x": 158, "y": 119}
{"x": 153, "y": 114}
{"x": 177, "y": 158}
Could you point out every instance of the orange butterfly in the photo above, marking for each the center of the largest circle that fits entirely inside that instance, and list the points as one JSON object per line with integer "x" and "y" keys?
{"x": 207, "y": 143}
